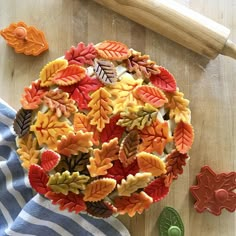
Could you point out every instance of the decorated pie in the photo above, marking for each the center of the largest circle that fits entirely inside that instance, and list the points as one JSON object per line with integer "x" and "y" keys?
{"x": 104, "y": 130}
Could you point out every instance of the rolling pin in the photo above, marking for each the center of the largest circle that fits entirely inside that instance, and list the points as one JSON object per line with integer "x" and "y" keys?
{"x": 178, "y": 23}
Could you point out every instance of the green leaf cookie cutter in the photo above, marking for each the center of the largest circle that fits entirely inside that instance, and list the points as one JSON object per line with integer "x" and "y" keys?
{"x": 170, "y": 223}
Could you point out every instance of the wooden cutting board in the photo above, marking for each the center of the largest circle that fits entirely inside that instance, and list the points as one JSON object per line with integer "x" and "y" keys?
{"x": 209, "y": 85}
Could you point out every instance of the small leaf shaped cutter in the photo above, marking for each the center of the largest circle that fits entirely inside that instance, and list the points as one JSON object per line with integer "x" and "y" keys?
{"x": 25, "y": 39}
{"x": 214, "y": 191}
{"x": 170, "y": 223}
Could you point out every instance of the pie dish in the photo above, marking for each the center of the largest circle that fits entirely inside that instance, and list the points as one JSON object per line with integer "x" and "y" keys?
{"x": 104, "y": 130}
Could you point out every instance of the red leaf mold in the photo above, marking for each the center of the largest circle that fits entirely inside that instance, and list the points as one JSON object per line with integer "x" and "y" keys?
{"x": 214, "y": 192}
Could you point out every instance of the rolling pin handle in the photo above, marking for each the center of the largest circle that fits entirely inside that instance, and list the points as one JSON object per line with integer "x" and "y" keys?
{"x": 229, "y": 49}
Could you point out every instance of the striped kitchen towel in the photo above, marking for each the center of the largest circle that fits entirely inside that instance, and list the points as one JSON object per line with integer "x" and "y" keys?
{"x": 24, "y": 213}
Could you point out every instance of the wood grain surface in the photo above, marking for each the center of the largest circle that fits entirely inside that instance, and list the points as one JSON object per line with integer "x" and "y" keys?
{"x": 209, "y": 85}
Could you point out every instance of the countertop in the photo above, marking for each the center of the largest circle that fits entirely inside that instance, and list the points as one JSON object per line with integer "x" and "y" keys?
{"x": 210, "y": 86}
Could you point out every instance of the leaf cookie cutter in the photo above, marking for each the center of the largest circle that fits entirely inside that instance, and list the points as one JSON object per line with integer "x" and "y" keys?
{"x": 214, "y": 191}
{"x": 25, "y": 39}
{"x": 170, "y": 223}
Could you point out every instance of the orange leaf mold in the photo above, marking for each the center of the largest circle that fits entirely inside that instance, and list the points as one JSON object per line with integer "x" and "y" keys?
{"x": 25, "y": 39}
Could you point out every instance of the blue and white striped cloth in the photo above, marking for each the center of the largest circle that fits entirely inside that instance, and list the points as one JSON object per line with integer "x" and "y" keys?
{"x": 24, "y": 213}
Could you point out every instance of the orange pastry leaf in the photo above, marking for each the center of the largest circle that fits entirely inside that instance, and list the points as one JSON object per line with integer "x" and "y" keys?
{"x": 72, "y": 144}
{"x": 151, "y": 95}
{"x": 183, "y": 137}
{"x": 155, "y": 137}
{"x": 28, "y": 150}
{"x": 137, "y": 202}
{"x": 112, "y": 50}
{"x": 81, "y": 122}
{"x": 178, "y": 106}
{"x": 59, "y": 103}
{"x": 150, "y": 163}
{"x": 70, "y": 75}
{"x": 71, "y": 202}
{"x": 49, "y": 71}
{"x": 102, "y": 159}
{"x": 100, "y": 108}
{"x": 99, "y": 189}
{"x": 48, "y": 128}
{"x": 25, "y": 39}
{"x": 129, "y": 148}
{"x": 32, "y": 98}
{"x": 133, "y": 183}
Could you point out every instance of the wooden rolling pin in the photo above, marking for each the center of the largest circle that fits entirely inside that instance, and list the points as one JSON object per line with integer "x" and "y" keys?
{"x": 178, "y": 23}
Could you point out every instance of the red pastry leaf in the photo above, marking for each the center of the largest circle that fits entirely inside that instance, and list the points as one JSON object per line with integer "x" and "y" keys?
{"x": 100, "y": 209}
{"x": 165, "y": 80}
{"x": 72, "y": 202}
{"x": 113, "y": 50}
{"x": 157, "y": 189}
{"x": 80, "y": 91}
{"x": 38, "y": 178}
{"x": 112, "y": 130}
{"x": 32, "y": 97}
{"x": 81, "y": 55}
{"x": 155, "y": 137}
{"x": 70, "y": 75}
{"x": 151, "y": 95}
{"x": 183, "y": 137}
{"x": 49, "y": 160}
{"x": 119, "y": 172}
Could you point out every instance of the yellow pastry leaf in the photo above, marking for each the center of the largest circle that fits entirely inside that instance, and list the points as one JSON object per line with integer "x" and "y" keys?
{"x": 50, "y": 70}
{"x": 150, "y": 163}
{"x": 138, "y": 116}
{"x": 28, "y": 150}
{"x": 122, "y": 91}
{"x": 178, "y": 106}
{"x": 72, "y": 144}
{"x": 59, "y": 102}
{"x": 129, "y": 148}
{"x": 155, "y": 137}
{"x": 101, "y": 160}
{"x": 67, "y": 182}
{"x": 137, "y": 202}
{"x": 133, "y": 183}
{"x": 100, "y": 108}
{"x": 81, "y": 122}
{"x": 48, "y": 128}
{"x": 99, "y": 189}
